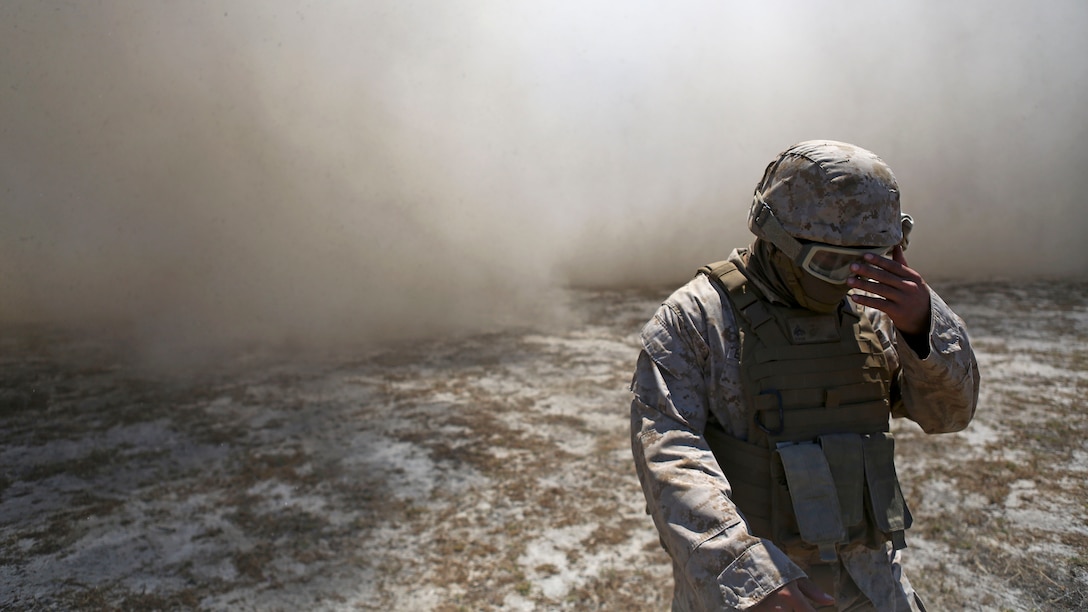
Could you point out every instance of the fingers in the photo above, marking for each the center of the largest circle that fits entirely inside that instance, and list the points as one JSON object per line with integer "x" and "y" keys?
{"x": 878, "y": 283}
{"x": 895, "y": 289}
{"x": 812, "y": 592}
{"x": 898, "y": 257}
{"x": 885, "y": 270}
{"x": 888, "y": 289}
{"x": 795, "y": 596}
{"x": 888, "y": 278}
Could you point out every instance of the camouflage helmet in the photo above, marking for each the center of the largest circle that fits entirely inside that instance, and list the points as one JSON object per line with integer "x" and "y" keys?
{"x": 830, "y": 192}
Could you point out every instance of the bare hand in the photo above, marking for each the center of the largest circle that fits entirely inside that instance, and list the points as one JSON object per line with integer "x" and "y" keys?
{"x": 795, "y": 597}
{"x": 897, "y": 290}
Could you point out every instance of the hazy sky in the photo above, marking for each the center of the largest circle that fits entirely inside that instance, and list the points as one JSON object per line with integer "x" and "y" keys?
{"x": 327, "y": 170}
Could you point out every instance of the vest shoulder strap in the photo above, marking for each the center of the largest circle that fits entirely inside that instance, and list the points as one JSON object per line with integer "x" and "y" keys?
{"x": 724, "y": 274}
{"x": 745, "y": 301}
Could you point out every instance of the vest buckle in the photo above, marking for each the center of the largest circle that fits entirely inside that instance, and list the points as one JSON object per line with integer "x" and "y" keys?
{"x": 781, "y": 415}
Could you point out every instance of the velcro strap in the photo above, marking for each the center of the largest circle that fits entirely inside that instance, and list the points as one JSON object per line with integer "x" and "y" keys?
{"x": 845, "y": 458}
{"x": 801, "y": 399}
{"x": 815, "y": 503}
{"x": 814, "y": 365}
{"x": 765, "y": 354}
{"x": 811, "y": 380}
{"x": 885, "y": 496}
{"x": 809, "y": 424}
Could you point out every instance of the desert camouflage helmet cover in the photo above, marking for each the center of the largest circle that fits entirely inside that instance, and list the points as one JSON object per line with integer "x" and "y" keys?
{"x": 831, "y": 192}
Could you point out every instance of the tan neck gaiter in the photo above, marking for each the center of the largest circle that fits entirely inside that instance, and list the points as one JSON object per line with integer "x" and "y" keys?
{"x": 774, "y": 270}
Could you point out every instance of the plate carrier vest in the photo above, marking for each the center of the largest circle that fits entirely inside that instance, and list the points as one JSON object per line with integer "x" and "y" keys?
{"x": 817, "y": 470}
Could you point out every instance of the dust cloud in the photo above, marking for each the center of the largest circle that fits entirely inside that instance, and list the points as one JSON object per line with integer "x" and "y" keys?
{"x": 212, "y": 172}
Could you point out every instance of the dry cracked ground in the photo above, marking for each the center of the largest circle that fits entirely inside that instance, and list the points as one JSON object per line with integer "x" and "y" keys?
{"x": 488, "y": 472}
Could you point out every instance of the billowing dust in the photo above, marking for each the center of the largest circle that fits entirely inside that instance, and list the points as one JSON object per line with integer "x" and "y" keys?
{"x": 284, "y": 318}
{"x": 197, "y": 174}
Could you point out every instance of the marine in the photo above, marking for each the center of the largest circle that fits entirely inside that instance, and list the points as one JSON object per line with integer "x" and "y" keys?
{"x": 765, "y": 386}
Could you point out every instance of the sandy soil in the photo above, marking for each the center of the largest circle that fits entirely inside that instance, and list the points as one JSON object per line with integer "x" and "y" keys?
{"x": 480, "y": 473}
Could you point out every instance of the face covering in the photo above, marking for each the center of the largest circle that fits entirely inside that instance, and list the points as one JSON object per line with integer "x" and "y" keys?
{"x": 810, "y": 292}
{"x": 774, "y": 270}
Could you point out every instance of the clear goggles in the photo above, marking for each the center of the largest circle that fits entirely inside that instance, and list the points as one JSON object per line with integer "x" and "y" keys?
{"x": 824, "y": 261}
{"x": 832, "y": 263}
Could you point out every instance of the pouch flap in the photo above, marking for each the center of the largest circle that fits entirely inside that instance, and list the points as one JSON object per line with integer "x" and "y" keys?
{"x": 815, "y": 502}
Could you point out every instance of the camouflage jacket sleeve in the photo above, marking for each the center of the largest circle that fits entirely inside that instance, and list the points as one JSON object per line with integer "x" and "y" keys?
{"x": 684, "y": 356}
{"x": 939, "y": 389}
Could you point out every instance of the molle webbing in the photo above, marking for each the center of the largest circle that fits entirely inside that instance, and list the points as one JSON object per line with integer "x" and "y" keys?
{"x": 805, "y": 374}
{"x": 862, "y": 480}
{"x": 817, "y": 390}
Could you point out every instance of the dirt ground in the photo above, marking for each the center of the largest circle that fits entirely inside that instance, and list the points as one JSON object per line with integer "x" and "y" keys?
{"x": 486, "y": 472}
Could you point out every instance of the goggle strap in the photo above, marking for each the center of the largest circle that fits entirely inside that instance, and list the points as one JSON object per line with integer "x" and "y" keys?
{"x": 765, "y": 220}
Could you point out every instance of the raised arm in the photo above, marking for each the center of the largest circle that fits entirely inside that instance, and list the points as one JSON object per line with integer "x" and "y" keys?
{"x": 939, "y": 377}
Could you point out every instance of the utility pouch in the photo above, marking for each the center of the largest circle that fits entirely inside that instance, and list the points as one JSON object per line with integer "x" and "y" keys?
{"x": 845, "y": 457}
{"x": 890, "y": 514}
{"x": 815, "y": 502}
{"x": 783, "y": 522}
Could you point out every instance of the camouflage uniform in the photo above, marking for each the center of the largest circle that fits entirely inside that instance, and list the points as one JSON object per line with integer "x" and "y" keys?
{"x": 689, "y": 369}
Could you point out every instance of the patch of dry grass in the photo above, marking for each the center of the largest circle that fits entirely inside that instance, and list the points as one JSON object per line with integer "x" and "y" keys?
{"x": 480, "y": 473}
{"x": 1002, "y": 513}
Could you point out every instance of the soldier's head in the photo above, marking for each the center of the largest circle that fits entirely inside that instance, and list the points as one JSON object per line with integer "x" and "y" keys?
{"x": 823, "y": 204}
